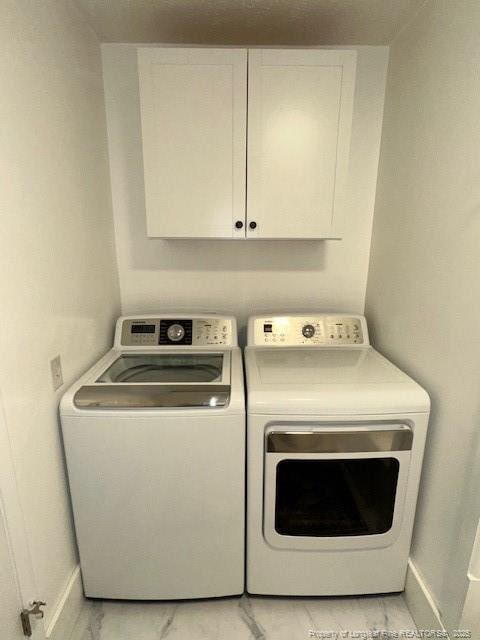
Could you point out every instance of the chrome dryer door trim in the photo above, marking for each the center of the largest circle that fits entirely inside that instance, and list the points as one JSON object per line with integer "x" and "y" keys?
{"x": 331, "y": 441}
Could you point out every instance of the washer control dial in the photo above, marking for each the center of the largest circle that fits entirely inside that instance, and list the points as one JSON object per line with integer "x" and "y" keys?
{"x": 308, "y": 331}
{"x": 175, "y": 332}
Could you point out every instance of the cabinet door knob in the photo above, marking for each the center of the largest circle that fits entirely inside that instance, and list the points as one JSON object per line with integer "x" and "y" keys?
{"x": 238, "y": 224}
{"x": 253, "y": 225}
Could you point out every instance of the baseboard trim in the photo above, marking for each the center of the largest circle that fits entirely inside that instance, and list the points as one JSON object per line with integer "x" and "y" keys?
{"x": 420, "y": 602}
{"x": 471, "y": 609}
{"x": 68, "y": 608}
{"x": 417, "y": 596}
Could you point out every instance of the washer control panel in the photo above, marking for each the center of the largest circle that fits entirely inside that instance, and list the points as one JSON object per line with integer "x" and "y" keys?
{"x": 309, "y": 330}
{"x": 172, "y": 331}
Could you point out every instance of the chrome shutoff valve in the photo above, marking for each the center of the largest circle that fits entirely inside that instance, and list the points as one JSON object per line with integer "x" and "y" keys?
{"x": 25, "y": 615}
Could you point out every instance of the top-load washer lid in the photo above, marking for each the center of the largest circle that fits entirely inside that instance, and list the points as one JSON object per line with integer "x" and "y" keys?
{"x": 328, "y": 381}
{"x": 165, "y": 367}
{"x": 156, "y": 380}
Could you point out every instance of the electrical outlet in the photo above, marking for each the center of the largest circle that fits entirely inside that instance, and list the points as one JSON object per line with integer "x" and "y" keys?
{"x": 56, "y": 369}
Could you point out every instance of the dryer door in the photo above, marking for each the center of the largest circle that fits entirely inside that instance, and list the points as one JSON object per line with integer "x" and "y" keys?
{"x": 335, "y": 487}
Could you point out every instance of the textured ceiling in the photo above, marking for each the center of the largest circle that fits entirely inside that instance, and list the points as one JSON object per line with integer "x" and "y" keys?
{"x": 289, "y": 22}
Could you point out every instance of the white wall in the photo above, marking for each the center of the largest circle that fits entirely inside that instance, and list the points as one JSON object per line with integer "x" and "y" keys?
{"x": 58, "y": 281}
{"x": 423, "y": 298}
{"x": 239, "y": 276}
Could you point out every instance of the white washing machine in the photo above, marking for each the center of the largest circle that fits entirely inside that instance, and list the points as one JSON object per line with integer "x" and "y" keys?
{"x": 335, "y": 435}
{"x": 154, "y": 437}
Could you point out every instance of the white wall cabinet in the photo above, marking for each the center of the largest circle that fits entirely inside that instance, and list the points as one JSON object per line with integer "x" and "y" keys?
{"x": 193, "y": 108}
{"x": 300, "y": 105}
{"x": 200, "y": 180}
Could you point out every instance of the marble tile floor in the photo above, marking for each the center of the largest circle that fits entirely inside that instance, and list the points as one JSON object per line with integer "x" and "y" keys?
{"x": 245, "y": 618}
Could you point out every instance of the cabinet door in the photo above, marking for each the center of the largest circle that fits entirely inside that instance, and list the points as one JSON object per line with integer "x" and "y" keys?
{"x": 300, "y": 106}
{"x": 193, "y": 108}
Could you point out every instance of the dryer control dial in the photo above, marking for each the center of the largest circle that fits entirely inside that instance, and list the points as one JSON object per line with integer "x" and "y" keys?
{"x": 175, "y": 332}
{"x": 308, "y": 331}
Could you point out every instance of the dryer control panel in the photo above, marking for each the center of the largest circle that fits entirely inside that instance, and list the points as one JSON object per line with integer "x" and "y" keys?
{"x": 308, "y": 330}
{"x": 171, "y": 331}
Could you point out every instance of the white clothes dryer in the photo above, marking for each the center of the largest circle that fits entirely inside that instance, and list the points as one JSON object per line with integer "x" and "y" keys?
{"x": 336, "y": 435}
{"x": 154, "y": 436}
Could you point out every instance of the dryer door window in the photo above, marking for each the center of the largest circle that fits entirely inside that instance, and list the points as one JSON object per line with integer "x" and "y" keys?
{"x": 335, "y": 486}
{"x": 346, "y": 497}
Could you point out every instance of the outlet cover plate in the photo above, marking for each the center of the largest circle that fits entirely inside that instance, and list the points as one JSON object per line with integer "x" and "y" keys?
{"x": 57, "y": 375}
